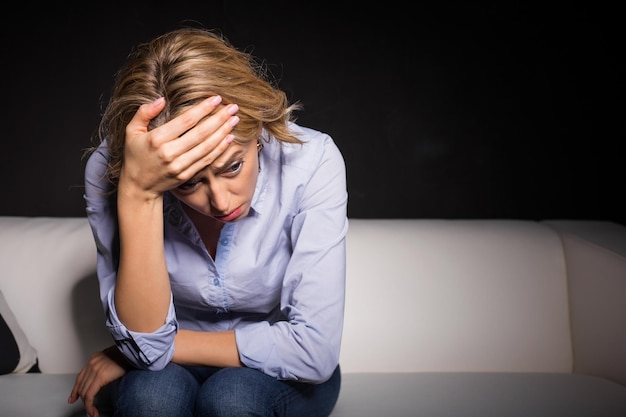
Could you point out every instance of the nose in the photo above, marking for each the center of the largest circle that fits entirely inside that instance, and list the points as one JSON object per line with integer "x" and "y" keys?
{"x": 219, "y": 197}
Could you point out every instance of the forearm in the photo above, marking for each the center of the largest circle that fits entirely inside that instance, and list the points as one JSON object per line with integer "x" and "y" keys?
{"x": 206, "y": 348}
{"x": 142, "y": 292}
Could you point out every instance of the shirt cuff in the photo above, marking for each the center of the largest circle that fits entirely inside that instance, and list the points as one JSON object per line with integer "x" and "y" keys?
{"x": 150, "y": 351}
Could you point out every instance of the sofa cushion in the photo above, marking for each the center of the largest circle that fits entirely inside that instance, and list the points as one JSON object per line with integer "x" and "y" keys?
{"x": 455, "y": 295}
{"x": 16, "y": 353}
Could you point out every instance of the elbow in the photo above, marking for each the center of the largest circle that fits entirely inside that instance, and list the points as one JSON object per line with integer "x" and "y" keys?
{"x": 323, "y": 374}
{"x": 320, "y": 365}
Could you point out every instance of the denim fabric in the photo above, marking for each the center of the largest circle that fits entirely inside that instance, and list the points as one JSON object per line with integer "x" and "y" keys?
{"x": 219, "y": 392}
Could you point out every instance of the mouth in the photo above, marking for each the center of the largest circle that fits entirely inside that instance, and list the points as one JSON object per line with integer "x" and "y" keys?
{"x": 230, "y": 216}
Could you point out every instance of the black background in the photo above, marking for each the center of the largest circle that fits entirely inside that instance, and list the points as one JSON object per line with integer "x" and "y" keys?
{"x": 441, "y": 109}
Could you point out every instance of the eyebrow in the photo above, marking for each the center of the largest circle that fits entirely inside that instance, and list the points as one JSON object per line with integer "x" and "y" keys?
{"x": 231, "y": 159}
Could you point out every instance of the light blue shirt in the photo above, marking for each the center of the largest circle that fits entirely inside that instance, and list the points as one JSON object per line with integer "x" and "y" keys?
{"x": 278, "y": 278}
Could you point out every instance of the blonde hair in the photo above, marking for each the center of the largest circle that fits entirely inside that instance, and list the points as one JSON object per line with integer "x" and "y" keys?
{"x": 186, "y": 66}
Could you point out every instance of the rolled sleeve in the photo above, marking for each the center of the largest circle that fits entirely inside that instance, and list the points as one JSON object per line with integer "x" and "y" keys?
{"x": 150, "y": 351}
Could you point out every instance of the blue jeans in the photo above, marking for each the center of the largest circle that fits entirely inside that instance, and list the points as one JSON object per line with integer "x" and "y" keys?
{"x": 200, "y": 391}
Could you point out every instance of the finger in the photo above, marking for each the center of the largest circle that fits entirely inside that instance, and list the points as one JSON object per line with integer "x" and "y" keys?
{"x": 92, "y": 411}
{"x": 74, "y": 394}
{"x": 86, "y": 377}
{"x": 72, "y": 397}
{"x": 87, "y": 391}
{"x": 208, "y": 145}
{"x": 88, "y": 401}
{"x": 186, "y": 121}
{"x": 207, "y": 151}
{"x": 214, "y": 127}
{"x": 146, "y": 112}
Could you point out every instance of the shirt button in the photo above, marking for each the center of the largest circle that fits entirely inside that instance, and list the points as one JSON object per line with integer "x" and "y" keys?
{"x": 216, "y": 281}
{"x": 225, "y": 242}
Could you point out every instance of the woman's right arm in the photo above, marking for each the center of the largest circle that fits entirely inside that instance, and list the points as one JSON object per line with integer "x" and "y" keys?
{"x": 154, "y": 162}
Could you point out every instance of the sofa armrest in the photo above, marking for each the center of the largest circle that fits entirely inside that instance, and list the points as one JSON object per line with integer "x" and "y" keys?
{"x": 48, "y": 276}
{"x": 595, "y": 254}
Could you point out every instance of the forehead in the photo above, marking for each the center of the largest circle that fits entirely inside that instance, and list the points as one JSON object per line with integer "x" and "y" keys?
{"x": 233, "y": 152}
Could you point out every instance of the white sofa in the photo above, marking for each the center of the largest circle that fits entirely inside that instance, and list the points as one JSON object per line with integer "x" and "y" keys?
{"x": 443, "y": 317}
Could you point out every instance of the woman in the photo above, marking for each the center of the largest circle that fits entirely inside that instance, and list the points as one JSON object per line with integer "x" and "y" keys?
{"x": 220, "y": 226}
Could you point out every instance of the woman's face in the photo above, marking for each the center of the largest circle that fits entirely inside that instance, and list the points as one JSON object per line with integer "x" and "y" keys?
{"x": 224, "y": 189}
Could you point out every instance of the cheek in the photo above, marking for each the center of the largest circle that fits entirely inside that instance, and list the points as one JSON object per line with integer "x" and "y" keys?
{"x": 250, "y": 182}
{"x": 250, "y": 174}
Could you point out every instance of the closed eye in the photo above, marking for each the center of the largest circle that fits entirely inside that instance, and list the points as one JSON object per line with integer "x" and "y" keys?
{"x": 189, "y": 185}
{"x": 234, "y": 168}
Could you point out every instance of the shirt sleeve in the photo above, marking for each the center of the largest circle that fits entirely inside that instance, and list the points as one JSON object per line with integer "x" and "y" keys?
{"x": 144, "y": 350}
{"x": 306, "y": 345}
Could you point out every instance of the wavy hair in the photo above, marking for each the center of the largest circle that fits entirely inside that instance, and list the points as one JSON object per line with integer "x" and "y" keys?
{"x": 186, "y": 66}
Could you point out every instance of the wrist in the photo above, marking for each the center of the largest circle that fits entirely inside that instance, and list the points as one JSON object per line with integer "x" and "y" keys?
{"x": 113, "y": 353}
{"x": 128, "y": 190}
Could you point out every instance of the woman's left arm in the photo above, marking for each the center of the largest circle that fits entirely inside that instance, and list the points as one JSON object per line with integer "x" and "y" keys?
{"x": 305, "y": 345}
{"x": 206, "y": 348}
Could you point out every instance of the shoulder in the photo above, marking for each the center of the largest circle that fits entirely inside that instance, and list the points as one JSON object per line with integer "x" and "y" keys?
{"x": 96, "y": 169}
{"x": 311, "y": 174}
{"x": 317, "y": 148}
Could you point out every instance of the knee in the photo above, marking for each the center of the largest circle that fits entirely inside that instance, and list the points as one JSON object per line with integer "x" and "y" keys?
{"x": 234, "y": 392}
{"x": 157, "y": 393}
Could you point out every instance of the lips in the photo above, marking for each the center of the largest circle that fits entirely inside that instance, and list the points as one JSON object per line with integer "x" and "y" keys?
{"x": 230, "y": 216}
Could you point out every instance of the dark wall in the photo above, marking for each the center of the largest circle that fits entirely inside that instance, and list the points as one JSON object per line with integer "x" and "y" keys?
{"x": 459, "y": 110}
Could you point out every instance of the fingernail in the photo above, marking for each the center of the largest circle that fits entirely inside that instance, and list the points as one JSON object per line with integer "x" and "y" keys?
{"x": 233, "y": 121}
{"x": 232, "y": 109}
{"x": 158, "y": 101}
{"x": 215, "y": 100}
{"x": 229, "y": 138}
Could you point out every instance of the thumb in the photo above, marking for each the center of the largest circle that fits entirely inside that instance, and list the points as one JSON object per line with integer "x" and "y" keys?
{"x": 146, "y": 112}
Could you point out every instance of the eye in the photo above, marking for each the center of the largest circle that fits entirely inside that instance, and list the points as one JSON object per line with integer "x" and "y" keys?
{"x": 234, "y": 168}
{"x": 188, "y": 186}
